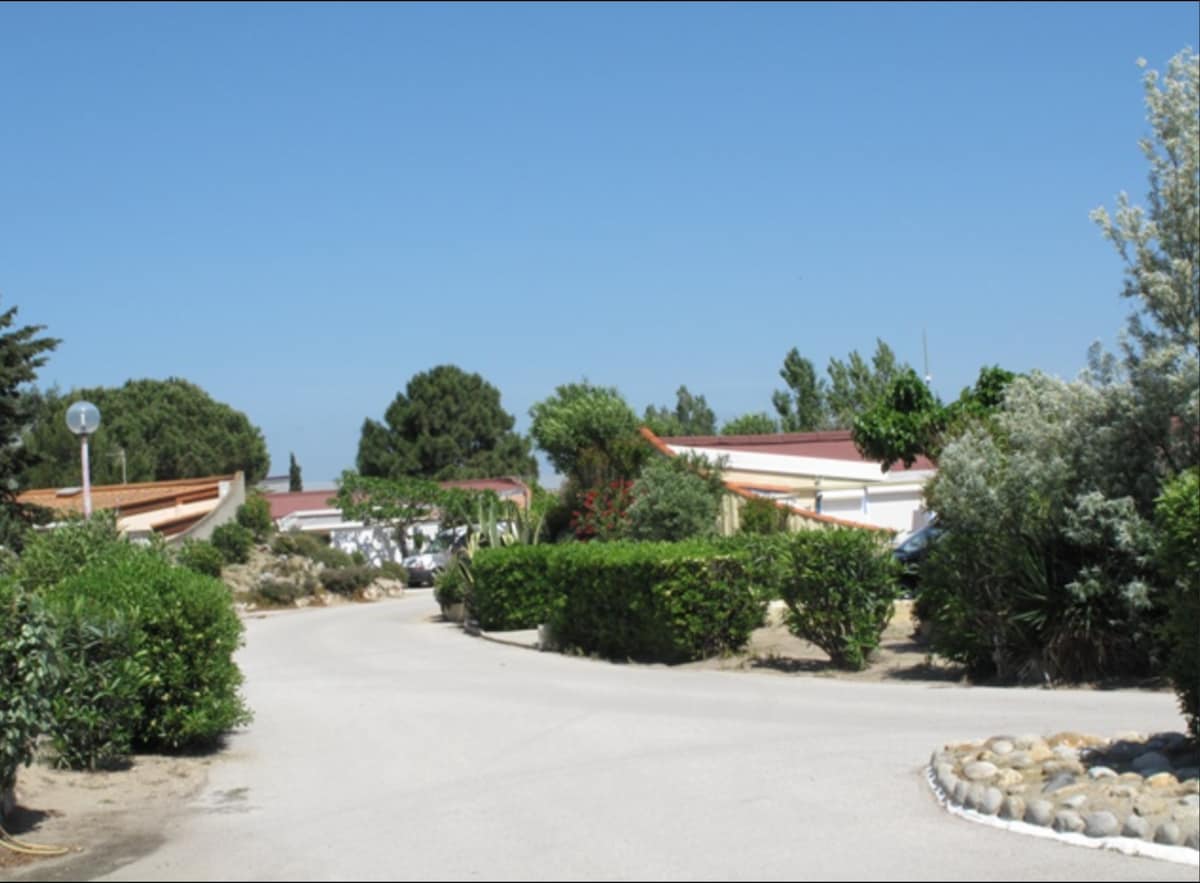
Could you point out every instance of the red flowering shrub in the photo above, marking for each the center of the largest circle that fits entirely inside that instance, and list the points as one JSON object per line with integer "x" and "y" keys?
{"x": 604, "y": 512}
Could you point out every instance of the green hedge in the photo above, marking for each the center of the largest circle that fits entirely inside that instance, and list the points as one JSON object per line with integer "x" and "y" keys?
{"x": 233, "y": 541}
{"x": 136, "y": 625}
{"x": 512, "y": 587}
{"x": 200, "y": 556}
{"x": 653, "y": 602}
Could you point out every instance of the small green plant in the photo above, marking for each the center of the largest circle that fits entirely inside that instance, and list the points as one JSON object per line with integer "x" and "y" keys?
{"x": 201, "y": 556}
{"x": 393, "y": 570}
{"x": 52, "y": 555}
{"x": 233, "y": 542}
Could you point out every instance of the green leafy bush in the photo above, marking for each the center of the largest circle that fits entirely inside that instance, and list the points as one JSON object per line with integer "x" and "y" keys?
{"x": 1177, "y": 518}
{"x": 512, "y": 588}
{"x": 255, "y": 516}
{"x": 179, "y": 631}
{"x": 840, "y": 587}
{"x": 29, "y": 676}
{"x": 453, "y": 585}
{"x": 98, "y": 705}
{"x": 673, "y": 501}
{"x": 762, "y": 516}
{"x": 54, "y": 554}
{"x": 654, "y": 602}
{"x": 233, "y": 542}
{"x": 347, "y": 580}
{"x": 201, "y": 556}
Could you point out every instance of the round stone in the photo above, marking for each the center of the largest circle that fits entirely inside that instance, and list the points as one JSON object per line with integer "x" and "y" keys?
{"x": 1102, "y": 772}
{"x": 991, "y": 801}
{"x": 1039, "y": 812}
{"x": 1192, "y": 800}
{"x": 1067, "y": 821}
{"x": 1100, "y": 824}
{"x": 1169, "y": 834}
{"x": 1193, "y": 840}
{"x": 1001, "y": 747}
{"x": 974, "y": 796}
{"x": 1136, "y": 826}
{"x": 1160, "y": 781}
{"x": 1013, "y": 808}
{"x": 1008, "y": 778}
{"x": 1075, "y": 801}
{"x": 1066, "y": 752}
{"x": 1020, "y": 760}
{"x": 980, "y": 771}
{"x": 945, "y": 778}
{"x": 959, "y": 794}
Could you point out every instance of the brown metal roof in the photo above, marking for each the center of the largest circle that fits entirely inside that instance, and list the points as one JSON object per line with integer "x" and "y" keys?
{"x": 128, "y": 498}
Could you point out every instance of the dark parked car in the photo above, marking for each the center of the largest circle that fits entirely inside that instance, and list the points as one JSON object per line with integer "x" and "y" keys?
{"x": 913, "y": 551}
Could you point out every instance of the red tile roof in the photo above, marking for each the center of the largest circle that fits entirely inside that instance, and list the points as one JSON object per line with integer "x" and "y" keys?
{"x": 833, "y": 445}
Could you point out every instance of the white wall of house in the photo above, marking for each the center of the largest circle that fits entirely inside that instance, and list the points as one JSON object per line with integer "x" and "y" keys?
{"x": 377, "y": 542}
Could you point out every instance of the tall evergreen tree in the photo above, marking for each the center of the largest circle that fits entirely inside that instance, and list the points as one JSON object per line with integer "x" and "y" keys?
{"x": 295, "y": 482}
{"x": 22, "y": 353}
{"x": 691, "y": 416}
{"x": 856, "y": 387}
{"x": 801, "y": 407}
{"x": 446, "y": 424}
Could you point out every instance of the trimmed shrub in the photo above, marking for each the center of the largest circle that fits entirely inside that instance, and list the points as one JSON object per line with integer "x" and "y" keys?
{"x": 233, "y": 542}
{"x": 29, "y": 675}
{"x": 179, "y": 631}
{"x": 201, "y": 556}
{"x": 840, "y": 587}
{"x": 1177, "y": 517}
{"x": 653, "y": 602}
{"x": 512, "y": 587}
{"x": 347, "y": 580}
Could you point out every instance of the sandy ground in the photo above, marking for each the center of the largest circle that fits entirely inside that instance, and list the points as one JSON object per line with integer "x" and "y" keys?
{"x": 111, "y": 815}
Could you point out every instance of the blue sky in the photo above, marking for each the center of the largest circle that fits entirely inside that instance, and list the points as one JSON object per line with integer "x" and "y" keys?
{"x": 298, "y": 207}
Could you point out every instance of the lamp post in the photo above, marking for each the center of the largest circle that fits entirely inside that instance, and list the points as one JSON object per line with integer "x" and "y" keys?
{"x": 83, "y": 419}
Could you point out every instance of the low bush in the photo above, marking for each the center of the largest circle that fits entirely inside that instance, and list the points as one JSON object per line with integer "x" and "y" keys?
{"x": 233, "y": 542}
{"x": 201, "y": 556}
{"x": 347, "y": 580}
{"x": 453, "y": 585}
{"x": 133, "y": 617}
{"x": 255, "y": 516}
{"x": 1177, "y": 519}
{"x": 281, "y": 592}
{"x": 512, "y": 588}
{"x": 295, "y": 542}
{"x": 29, "y": 675}
{"x": 840, "y": 587}
{"x": 653, "y": 602}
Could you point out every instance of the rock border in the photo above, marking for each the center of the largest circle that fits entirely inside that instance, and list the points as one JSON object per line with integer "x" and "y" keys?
{"x": 1066, "y": 788}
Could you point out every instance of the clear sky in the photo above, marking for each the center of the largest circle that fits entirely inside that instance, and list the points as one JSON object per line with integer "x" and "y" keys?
{"x": 298, "y": 207}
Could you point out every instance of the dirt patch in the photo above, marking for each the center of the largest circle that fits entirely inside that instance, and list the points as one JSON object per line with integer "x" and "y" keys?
{"x": 900, "y": 655}
{"x": 103, "y": 819}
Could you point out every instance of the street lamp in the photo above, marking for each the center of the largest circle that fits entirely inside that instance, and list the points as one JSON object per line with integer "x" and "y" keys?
{"x": 83, "y": 419}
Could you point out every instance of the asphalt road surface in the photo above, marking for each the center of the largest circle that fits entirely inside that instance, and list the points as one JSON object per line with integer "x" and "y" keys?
{"x": 389, "y": 746}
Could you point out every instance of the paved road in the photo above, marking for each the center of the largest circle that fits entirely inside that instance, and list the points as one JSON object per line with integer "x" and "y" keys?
{"x": 390, "y": 746}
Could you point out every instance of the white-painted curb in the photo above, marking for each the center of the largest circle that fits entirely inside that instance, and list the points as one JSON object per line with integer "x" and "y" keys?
{"x": 1182, "y": 855}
